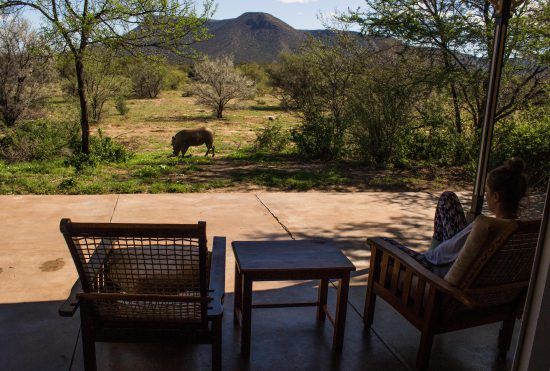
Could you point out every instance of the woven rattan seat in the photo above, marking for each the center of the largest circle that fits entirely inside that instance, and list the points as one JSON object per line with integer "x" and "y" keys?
{"x": 142, "y": 282}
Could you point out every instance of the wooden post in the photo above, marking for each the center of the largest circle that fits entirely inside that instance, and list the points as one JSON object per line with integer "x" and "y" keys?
{"x": 497, "y": 60}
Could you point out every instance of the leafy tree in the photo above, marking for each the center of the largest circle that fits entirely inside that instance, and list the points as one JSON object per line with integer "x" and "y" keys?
{"x": 147, "y": 75}
{"x": 218, "y": 82}
{"x": 457, "y": 36}
{"x": 383, "y": 105}
{"x": 25, "y": 67}
{"x": 318, "y": 83}
{"x": 103, "y": 79}
{"x": 79, "y": 24}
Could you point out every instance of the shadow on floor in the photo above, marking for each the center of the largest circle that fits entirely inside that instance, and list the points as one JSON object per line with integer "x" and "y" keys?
{"x": 35, "y": 337}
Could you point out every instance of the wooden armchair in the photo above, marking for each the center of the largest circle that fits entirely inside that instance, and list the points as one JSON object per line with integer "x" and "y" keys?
{"x": 493, "y": 290}
{"x": 146, "y": 282}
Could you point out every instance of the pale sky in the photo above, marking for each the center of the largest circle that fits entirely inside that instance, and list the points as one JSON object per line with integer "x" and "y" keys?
{"x": 300, "y": 14}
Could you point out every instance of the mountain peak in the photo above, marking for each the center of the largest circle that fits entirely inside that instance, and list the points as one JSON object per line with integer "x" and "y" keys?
{"x": 262, "y": 21}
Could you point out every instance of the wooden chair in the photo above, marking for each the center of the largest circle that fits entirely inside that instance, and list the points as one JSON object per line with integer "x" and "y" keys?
{"x": 144, "y": 283}
{"x": 494, "y": 289}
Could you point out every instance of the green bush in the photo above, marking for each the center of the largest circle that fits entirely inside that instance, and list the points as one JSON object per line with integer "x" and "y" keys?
{"x": 174, "y": 79}
{"x": 121, "y": 106}
{"x": 187, "y": 91}
{"x": 103, "y": 149}
{"x": 38, "y": 140}
{"x": 314, "y": 138}
{"x": 272, "y": 137}
{"x": 147, "y": 75}
{"x": 525, "y": 136}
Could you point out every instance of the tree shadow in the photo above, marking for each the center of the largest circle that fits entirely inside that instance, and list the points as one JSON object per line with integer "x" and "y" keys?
{"x": 267, "y": 108}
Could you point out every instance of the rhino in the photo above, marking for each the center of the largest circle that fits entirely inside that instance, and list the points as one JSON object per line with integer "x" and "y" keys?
{"x": 193, "y": 137}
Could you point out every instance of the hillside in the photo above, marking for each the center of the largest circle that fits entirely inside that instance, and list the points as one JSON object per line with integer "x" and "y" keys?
{"x": 257, "y": 37}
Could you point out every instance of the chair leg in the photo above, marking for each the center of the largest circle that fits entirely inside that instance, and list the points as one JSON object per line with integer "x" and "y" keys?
{"x": 424, "y": 350}
{"x": 88, "y": 347}
{"x": 505, "y": 336}
{"x": 217, "y": 344}
{"x": 370, "y": 303}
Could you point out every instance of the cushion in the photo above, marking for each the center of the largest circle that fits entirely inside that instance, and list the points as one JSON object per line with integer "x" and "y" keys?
{"x": 487, "y": 235}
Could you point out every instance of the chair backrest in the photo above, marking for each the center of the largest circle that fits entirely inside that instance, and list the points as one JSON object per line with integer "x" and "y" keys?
{"x": 141, "y": 272}
{"x": 500, "y": 276}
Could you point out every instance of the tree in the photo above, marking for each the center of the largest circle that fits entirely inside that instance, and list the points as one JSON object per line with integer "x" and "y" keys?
{"x": 382, "y": 106}
{"x": 103, "y": 79}
{"x": 134, "y": 24}
{"x": 147, "y": 75}
{"x": 218, "y": 82}
{"x": 318, "y": 83}
{"x": 457, "y": 36}
{"x": 25, "y": 66}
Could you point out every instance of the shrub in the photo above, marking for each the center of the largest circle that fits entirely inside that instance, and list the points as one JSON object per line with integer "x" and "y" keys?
{"x": 272, "y": 137}
{"x": 259, "y": 75}
{"x": 525, "y": 136}
{"x": 121, "y": 106}
{"x": 147, "y": 75}
{"x": 187, "y": 91}
{"x": 314, "y": 138}
{"x": 103, "y": 149}
{"x": 38, "y": 140}
{"x": 174, "y": 79}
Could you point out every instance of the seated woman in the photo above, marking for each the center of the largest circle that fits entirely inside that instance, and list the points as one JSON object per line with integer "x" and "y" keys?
{"x": 505, "y": 187}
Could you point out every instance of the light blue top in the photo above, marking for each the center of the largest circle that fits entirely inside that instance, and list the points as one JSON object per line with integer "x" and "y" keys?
{"x": 447, "y": 251}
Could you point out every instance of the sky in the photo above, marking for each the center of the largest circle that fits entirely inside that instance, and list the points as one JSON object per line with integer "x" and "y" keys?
{"x": 300, "y": 14}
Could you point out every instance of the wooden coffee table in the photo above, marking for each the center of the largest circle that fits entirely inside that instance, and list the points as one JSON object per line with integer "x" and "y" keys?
{"x": 290, "y": 260}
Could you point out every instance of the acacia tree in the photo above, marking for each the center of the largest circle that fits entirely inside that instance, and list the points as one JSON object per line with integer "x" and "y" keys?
{"x": 218, "y": 82}
{"x": 80, "y": 24}
{"x": 25, "y": 64}
{"x": 457, "y": 36}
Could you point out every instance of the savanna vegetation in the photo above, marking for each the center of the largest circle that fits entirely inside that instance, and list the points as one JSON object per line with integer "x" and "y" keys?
{"x": 402, "y": 112}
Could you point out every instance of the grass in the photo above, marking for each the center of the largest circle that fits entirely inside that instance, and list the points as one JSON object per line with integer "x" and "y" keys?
{"x": 147, "y": 130}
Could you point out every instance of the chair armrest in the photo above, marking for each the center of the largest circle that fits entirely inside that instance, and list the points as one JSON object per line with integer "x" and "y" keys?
{"x": 420, "y": 271}
{"x": 70, "y": 305}
{"x": 217, "y": 277}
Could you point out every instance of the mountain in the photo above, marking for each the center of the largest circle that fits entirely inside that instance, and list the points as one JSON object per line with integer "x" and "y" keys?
{"x": 258, "y": 37}
{"x": 252, "y": 37}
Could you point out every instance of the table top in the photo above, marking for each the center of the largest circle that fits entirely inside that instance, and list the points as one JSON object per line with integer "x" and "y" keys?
{"x": 290, "y": 255}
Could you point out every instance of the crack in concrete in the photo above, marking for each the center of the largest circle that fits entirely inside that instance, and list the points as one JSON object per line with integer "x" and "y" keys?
{"x": 275, "y": 217}
{"x": 335, "y": 286}
{"x": 114, "y": 208}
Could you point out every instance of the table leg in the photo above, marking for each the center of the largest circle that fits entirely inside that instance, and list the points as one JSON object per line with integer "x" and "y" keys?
{"x": 237, "y": 305}
{"x": 322, "y": 299}
{"x": 341, "y": 308}
{"x": 246, "y": 322}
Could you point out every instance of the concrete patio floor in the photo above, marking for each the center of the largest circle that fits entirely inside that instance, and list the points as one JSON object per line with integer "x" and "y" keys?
{"x": 36, "y": 274}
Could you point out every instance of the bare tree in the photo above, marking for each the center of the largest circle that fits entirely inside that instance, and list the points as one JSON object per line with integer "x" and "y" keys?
{"x": 218, "y": 82}
{"x": 24, "y": 67}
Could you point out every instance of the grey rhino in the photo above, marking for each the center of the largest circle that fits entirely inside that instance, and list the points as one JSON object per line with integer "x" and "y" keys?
{"x": 193, "y": 137}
